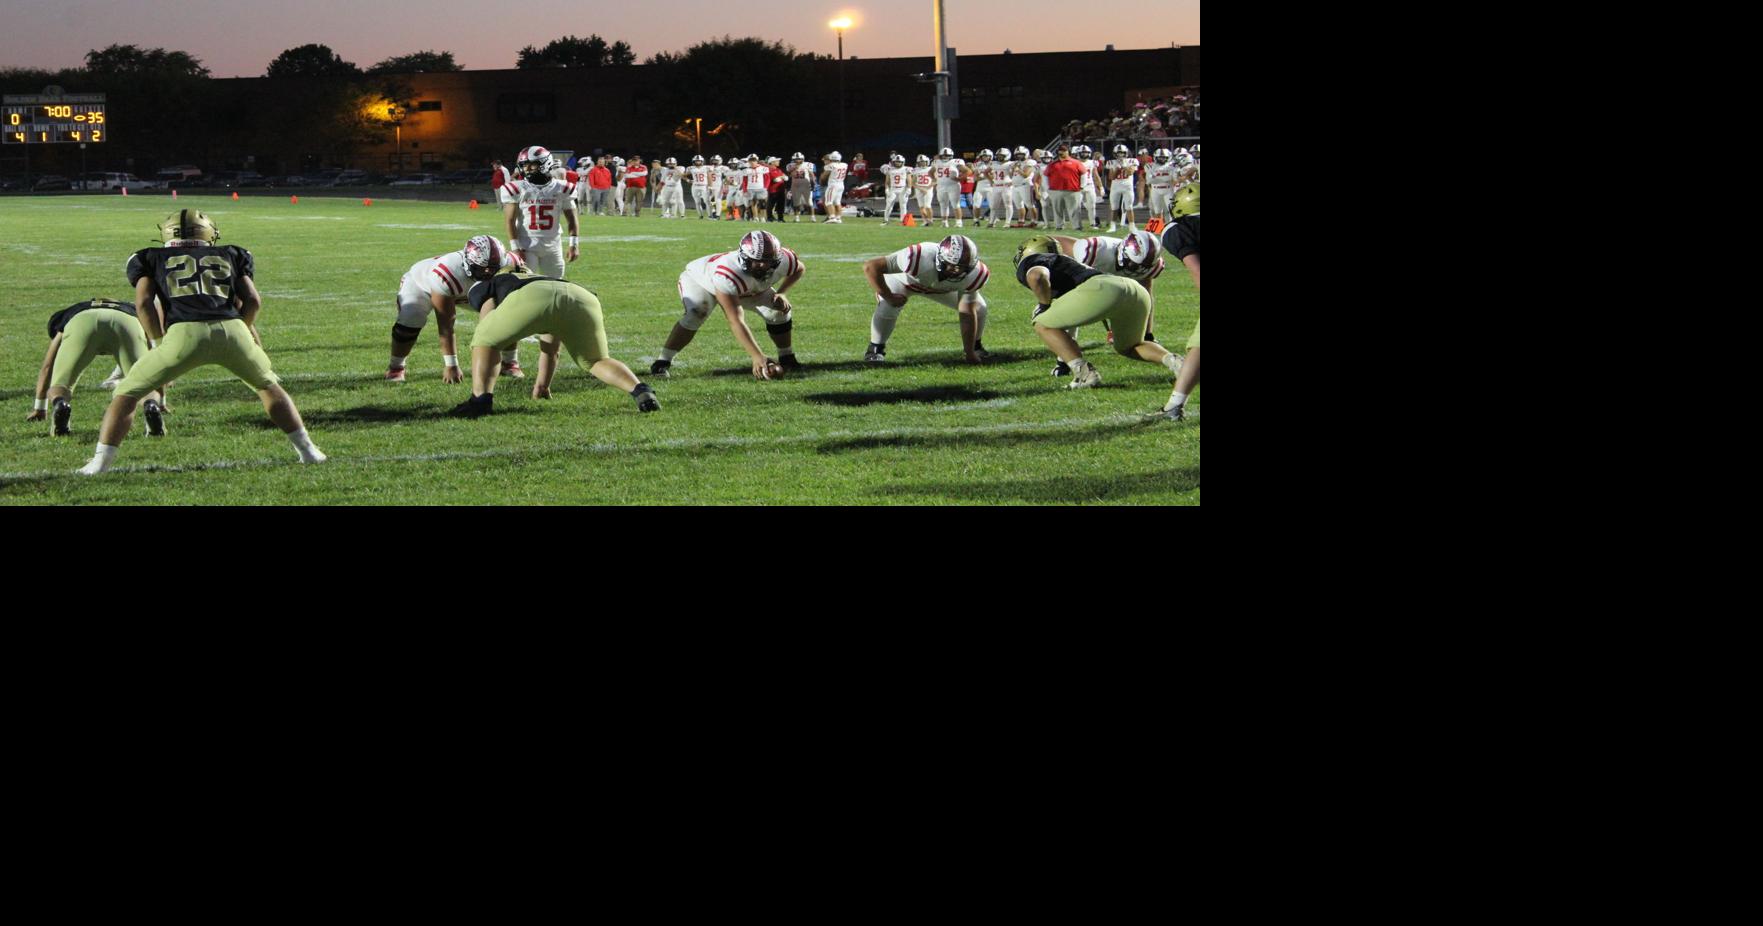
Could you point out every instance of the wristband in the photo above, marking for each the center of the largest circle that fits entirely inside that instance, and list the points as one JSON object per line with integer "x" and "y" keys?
{"x": 574, "y": 241}
{"x": 451, "y": 360}
{"x": 40, "y": 405}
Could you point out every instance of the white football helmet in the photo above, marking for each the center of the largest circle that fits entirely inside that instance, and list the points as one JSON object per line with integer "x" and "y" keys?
{"x": 797, "y": 157}
{"x": 985, "y": 154}
{"x": 617, "y": 161}
{"x": 946, "y": 153}
{"x": 671, "y": 162}
{"x": 1121, "y": 151}
{"x": 897, "y": 160}
{"x": 1144, "y": 152}
{"x": 483, "y": 257}
{"x": 923, "y": 159}
{"x": 1183, "y": 158}
{"x": 1021, "y": 152}
{"x": 760, "y": 254}
{"x": 956, "y": 256}
{"x": 1163, "y": 155}
{"x": 716, "y": 159}
{"x": 1003, "y": 155}
{"x": 835, "y": 156}
{"x": 1139, "y": 252}
{"x": 536, "y": 163}
{"x": 697, "y": 159}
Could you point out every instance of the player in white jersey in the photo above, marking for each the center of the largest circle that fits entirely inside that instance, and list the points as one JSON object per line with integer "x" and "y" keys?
{"x": 897, "y": 180}
{"x": 703, "y": 197}
{"x": 1188, "y": 169}
{"x": 801, "y": 173}
{"x": 948, "y": 169}
{"x": 1123, "y": 178}
{"x": 948, "y": 272}
{"x": 618, "y": 185}
{"x": 530, "y": 209}
{"x": 1087, "y": 190}
{"x": 1022, "y": 180}
{"x": 833, "y": 180}
{"x": 743, "y": 278}
{"x": 1042, "y": 159}
{"x": 673, "y": 192}
{"x": 722, "y": 178}
{"x": 924, "y": 186}
{"x": 438, "y": 284}
{"x": 1003, "y": 207}
{"x": 1161, "y": 179}
{"x": 982, "y": 184}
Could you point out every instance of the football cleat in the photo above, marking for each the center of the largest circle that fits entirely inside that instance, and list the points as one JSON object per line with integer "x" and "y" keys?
{"x": 875, "y": 354}
{"x": 1175, "y": 413}
{"x": 1084, "y": 375}
{"x": 63, "y": 413}
{"x": 645, "y": 396}
{"x": 789, "y": 363}
{"x": 661, "y": 368}
{"x": 1061, "y": 368}
{"x": 475, "y": 407}
{"x": 155, "y": 416}
{"x": 395, "y": 374}
{"x": 512, "y": 370}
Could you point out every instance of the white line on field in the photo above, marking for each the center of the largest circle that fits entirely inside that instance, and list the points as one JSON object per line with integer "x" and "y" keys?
{"x": 609, "y": 448}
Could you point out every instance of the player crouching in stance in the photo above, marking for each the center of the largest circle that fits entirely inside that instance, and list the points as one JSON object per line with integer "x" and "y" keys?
{"x": 77, "y": 335}
{"x": 1182, "y": 241}
{"x": 438, "y": 283}
{"x": 1071, "y": 294}
{"x": 735, "y": 280}
{"x": 515, "y": 305}
{"x": 949, "y": 272}
{"x": 211, "y": 306}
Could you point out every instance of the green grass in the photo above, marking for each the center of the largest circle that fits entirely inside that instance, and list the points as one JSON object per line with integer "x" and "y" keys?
{"x": 923, "y": 429}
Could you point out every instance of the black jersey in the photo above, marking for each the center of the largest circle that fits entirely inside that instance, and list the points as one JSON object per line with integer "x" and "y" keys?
{"x": 1067, "y": 274}
{"x": 503, "y": 285}
{"x": 1182, "y": 237}
{"x": 58, "y": 321}
{"x": 194, "y": 284}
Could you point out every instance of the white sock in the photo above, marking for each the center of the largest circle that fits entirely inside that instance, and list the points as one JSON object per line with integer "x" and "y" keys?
{"x": 1173, "y": 362}
{"x": 511, "y": 356}
{"x": 668, "y": 353}
{"x": 398, "y": 362}
{"x": 101, "y": 460}
{"x": 303, "y": 445}
{"x": 881, "y": 326}
{"x": 1177, "y": 400}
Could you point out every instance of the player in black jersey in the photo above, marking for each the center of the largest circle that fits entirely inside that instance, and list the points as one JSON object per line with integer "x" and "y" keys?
{"x": 210, "y": 305}
{"x": 1071, "y": 294}
{"x": 77, "y": 335}
{"x": 1182, "y": 241}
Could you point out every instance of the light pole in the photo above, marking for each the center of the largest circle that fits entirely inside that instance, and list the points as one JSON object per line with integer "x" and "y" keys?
{"x": 839, "y": 26}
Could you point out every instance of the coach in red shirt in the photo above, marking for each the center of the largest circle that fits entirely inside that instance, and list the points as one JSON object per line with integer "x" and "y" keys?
{"x": 1064, "y": 179}
{"x": 599, "y": 186}
{"x": 776, "y": 182}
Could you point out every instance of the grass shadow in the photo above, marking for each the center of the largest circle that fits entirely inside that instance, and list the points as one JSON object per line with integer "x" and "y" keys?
{"x": 924, "y": 395}
{"x": 1052, "y": 490}
{"x": 1027, "y": 437}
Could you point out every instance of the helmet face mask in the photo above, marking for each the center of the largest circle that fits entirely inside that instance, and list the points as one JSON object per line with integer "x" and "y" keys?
{"x": 956, "y": 257}
{"x": 759, "y": 254}
{"x": 188, "y": 225}
{"x": 483, "y": 257}
{"x": 1039, "y": 244}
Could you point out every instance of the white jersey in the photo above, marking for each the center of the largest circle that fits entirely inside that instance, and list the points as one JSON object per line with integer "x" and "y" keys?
{"x": 835, "y": 171}
{"x": 918, "y": 265}
{"x": 1101, "y": 254}
{"x": 722, "y": 273}
{"x": 923, "y": 179}
{"x": 1162, "y": 176}
{"x": 701, "y": 174}
{"x": 1088, "y": 184}
{"x": 671, "y": 176}
{"x": 540, "y": 209}
{"x": 948, "y": 172}
{"x": 1023, "y": 174}
{"x": 1130, "y": 166}
{"x": 444, "y": 275}
{"x": 804, "y": 172}
{"x": 899, "y": 178}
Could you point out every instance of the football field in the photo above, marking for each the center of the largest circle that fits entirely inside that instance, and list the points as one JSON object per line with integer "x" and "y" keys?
{"x": 925, "y": 428}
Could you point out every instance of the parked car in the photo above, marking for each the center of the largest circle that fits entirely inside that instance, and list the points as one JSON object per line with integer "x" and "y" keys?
{"x": 418, "y": 180}
{"x": 168, "y": 175}
{"x": 235, "y": 179}
{"x": 15, "y": 183}
{"x": 468, "y": 176}
{"x": 51, "y": 182}
{"x": 351, "y": 178}
{"x": 113, "y": 180}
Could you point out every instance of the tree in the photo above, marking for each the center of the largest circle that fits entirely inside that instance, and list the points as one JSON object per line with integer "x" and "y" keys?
{"x": 573, "y": 52}
{"x": 132, "y": 60}
{"x": 417, "y": 63}
{"x": 695, "y": 82}
{"x": 311, "y": 62}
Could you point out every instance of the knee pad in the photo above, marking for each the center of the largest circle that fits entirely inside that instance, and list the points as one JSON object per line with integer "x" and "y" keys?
{"x": 693, "y": 319}
{"x": 404, "y": 334}
{"x": 777, "y": 329}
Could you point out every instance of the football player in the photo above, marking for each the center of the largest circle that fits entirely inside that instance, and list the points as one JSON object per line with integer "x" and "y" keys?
{"x": 672, "y": 194}
{"x": 1088, "y": 190}
{"x": 1187, "y": 168}
{"x": 737, "y": 280}
{"x": 1003, "y": 190}
{"x": 924, "y": 184}
{"x": 949, "y": 171}
{"x": 832, "y": 196}
{"x": 516, "y": 305}
{"x": 77, "y": 335}
{"x": 899, "y": 183}
{"x": 802, "y": 186}
{"x": 720, "y": 176}
{"x": 437, "y": 284}
{"x": 1136, "y": 257}
{"x": 1022, "y": 181}
{"x": 982, "y": 184}
{"x": 948, "y": 272}
{"x": 1161, "y": 180}
{"x": 1071, "y": 295}
{"x": 210, "y": 308}
{"x": 531, "y": 204}
{"x": 703, "y": 187}
{"x": 1182, "y": 241}
{"x": 1123, "y": 177}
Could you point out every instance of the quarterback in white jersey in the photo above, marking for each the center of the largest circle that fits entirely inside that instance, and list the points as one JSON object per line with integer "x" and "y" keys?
{"x": 438, "y": 284}
{"x": 833, "y": 179}
{"x": 747, "y": 277}
{"x": 703, "y": 186}
{"x": 897, "y": 180}
{"x": 1123, "y": 174}
{"x": 530, "y": 208}
{"x": 1161, "y": 179}
{"x": 948, "y": 272}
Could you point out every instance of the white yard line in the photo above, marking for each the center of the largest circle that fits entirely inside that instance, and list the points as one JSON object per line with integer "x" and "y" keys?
{"x": 610, "y": 448}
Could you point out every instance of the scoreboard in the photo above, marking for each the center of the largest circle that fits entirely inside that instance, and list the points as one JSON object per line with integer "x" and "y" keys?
{"x": 46, "y": 120}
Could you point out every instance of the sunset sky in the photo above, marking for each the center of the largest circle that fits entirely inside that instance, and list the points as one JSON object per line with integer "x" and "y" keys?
{"x": 238, "y": 38}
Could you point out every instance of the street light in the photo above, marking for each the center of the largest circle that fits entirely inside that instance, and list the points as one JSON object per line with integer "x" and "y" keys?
{"x": 840, "y": 25}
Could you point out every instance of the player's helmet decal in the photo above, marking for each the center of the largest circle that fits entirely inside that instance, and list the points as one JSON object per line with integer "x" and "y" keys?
{"x": 1139, "y": 252}
{"x": 956, "y": 256}
{"x": 1039, "y": 244}
{"x": 760, "y": 254}
{"x": 188, "y": 225}
{"x": 483, "y": 257}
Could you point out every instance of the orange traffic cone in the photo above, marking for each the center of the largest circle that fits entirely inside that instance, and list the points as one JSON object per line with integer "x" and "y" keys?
{"x": 125, "y": 191}
{"x": 174, "y": 194}
{"x": 294, "y": 199}
{"x": 367, "y": 202}
{"x": 235, "y": 196}
{"x": 474, "y": 204}
{"x": 910, "y": 221}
